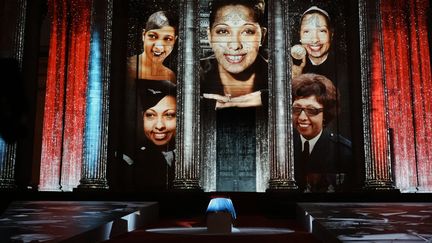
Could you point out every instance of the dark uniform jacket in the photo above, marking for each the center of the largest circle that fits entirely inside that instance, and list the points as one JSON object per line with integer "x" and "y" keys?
{"x": 328, "y": 68}
{"x": 151, "y": 171}
{"x": 327, "y": 166}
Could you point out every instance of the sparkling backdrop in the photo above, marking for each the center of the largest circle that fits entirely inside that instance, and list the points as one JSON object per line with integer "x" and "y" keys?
{"x": 64, "y": 118}
{"x": 404, "y": 52}
{"x": 378, "y": 115}
{"x": 407, "y": 74}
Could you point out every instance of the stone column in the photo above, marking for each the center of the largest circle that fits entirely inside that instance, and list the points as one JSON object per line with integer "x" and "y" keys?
{"x": 375, "y": 110}
{"x": 94, "y": 167}
{"x": 281, "y": 131}
{"x": 187, "y": 170}
{"x": 12, "y": 47}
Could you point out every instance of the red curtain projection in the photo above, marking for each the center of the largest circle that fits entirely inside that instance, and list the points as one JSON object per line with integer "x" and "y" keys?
{"x": 407, "y": 72}
{"x": 64, "y": 113}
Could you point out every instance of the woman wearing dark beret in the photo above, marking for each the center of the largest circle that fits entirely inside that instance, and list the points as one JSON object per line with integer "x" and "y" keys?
{"x": 158, "y": 36}
{"x": 155, "y": 158}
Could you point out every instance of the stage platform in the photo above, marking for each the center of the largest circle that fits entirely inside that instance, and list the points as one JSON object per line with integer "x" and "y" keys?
{"x": 73, "y": 221}
{"x": 96, "y": 217}
{"x": 368, "y": 222}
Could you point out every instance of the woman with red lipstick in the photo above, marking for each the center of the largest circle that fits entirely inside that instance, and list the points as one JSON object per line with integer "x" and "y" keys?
{"x": 159, "y": 37}
{"x": 322, "y": 158}
{"x": 153, "y": 168}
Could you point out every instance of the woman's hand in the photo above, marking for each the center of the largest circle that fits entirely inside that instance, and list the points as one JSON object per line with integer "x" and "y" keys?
{"x": 247, "y": 100}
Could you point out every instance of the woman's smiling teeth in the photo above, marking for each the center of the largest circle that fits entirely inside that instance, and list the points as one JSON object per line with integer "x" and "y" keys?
{"x": 159, "y": 136}
{"x": 157, "y": 53}
{"x": 234, "y": 58}
{"x": 315, "y": 47}
{"x": 303, "y": 125}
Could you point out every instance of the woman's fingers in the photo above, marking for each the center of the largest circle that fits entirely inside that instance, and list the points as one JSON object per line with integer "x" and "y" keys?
{"x": 217, "y": 97}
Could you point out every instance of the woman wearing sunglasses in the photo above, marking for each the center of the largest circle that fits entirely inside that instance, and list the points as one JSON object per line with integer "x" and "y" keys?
{"x": 322, "y": 158}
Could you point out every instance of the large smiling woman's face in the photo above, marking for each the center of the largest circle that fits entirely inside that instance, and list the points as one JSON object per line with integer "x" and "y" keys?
{"x": 160, "y": 121}
{"x": 235, "y": 38}
{"x": 315, "y": 36}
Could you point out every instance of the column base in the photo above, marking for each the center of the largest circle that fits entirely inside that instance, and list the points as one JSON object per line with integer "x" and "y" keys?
{"x": 282, "y": 185}
{"x": 380, "y": 185}
{"x": 92, "y": 185}
{"x": 186, "y": 184}
{"x": 7, "y": 184}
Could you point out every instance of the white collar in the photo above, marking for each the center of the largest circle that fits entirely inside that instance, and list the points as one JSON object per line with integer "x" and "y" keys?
{"x": 312, "y": 141}
{"x": 316, "y": 64}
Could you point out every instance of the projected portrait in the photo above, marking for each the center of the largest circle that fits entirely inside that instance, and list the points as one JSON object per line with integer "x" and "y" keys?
{"x": 319, "y": 45}
{"x": 316, "y": 35}
{"x": 149, "y": 117}
{"x": 322, "y": 156}
{"x": 155, "y": 159}
{"x": 234, "y": 91}
{"x": 158, "y": 38}
{"x": 235, "y": 75}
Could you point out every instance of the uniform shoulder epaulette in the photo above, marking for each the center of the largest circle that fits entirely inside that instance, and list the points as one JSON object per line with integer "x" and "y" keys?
{"x": 340, "y": 139}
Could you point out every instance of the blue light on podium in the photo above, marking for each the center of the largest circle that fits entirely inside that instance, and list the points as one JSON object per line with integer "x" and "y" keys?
{"x": 220, "y": 215}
